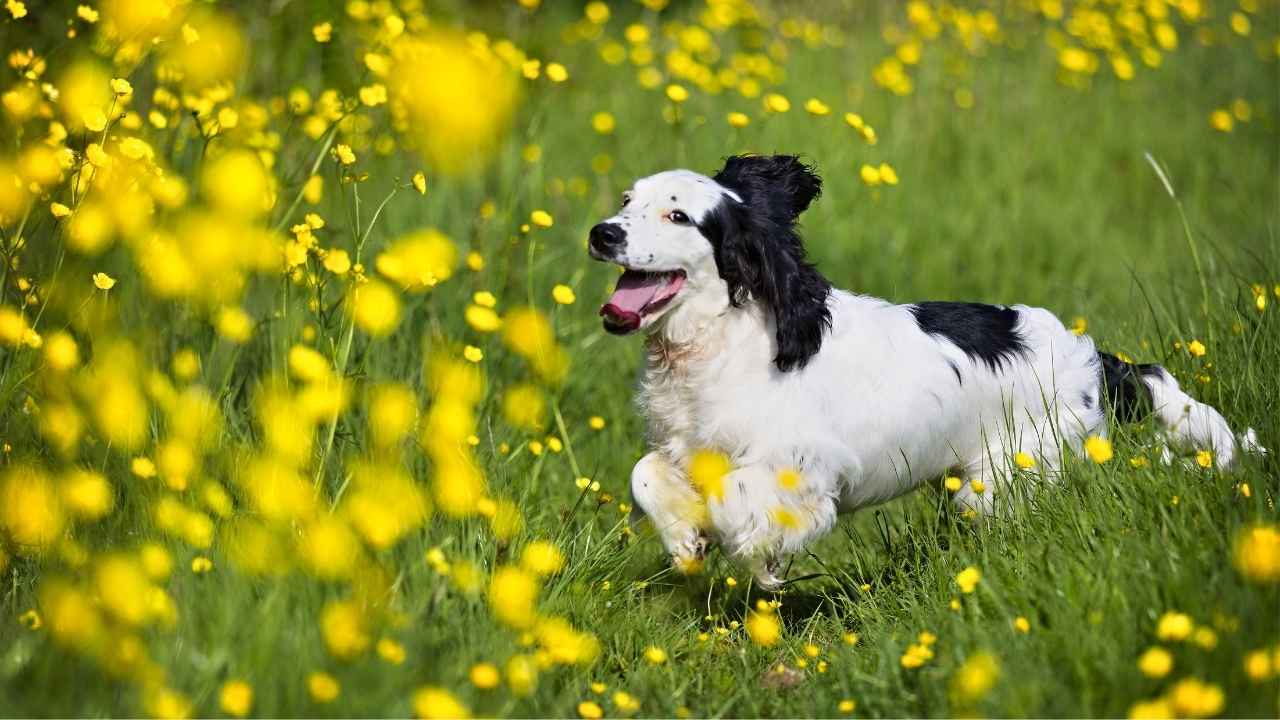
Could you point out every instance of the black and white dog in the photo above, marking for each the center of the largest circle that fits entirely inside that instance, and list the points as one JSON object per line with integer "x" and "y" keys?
{"x": 825, "y": 401}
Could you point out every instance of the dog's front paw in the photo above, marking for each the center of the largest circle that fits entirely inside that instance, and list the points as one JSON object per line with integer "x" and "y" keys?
{"x": 688, "y": 555}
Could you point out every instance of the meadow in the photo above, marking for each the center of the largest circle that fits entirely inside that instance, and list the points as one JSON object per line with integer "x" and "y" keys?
{"x": 306, "y": 409}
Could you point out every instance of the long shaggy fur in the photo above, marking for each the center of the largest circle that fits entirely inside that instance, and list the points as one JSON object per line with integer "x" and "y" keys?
{"x": 757, "y": 357}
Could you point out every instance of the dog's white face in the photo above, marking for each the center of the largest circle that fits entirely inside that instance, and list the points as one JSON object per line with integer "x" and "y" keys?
{"x": 656, "y": 238}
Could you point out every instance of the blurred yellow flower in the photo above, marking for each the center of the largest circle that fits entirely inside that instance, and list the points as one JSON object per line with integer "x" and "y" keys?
{"x": 1021, "y": 624}
{"x": 968, "y": 579}
{"x": 763, "y": 627}
{"x": 322, "y": 32}
{"x": 974, "y": 678}
{"x": 1024, "y": 460}
{"x": 344, "y": 154}
{"x": 677, "y": 93}
{"x": 513, "y": 593}
{"x": 541, "y": 218}
{"x": 603, "y": 123}
{"x": 1156, "y": 662}
{"x": 484, "y": 676}
{"x": 103, "y": 281}
{"x": 776, "y": 103}
{"x": 590, "y": 710}
{"x": 376, "y": 308}
{"x": 420, "y": 183}
{"x": 655, "y": 655}
{"x": 1098, "y": 449}
{"x": 1256, "y": 553}
{"x": 236, "y": 698}
{"x": 343, "y": 625}
{"x": 433, "y": 703}
{"x": 323, "y": 687}
{"x": 563, "y": 294}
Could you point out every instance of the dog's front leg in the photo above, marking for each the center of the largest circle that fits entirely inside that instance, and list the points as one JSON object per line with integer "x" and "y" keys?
{"x": 677, "y": 512}
{"x": 761, "y": 519}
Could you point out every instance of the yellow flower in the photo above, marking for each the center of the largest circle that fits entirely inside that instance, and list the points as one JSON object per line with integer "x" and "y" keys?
{"x": 603, "y": 123}
{"x": 485, "y": 676}
{"x": 343, "y": 626}
{"x": 590, "y": 710}
{"x": 975, "y": 678}
{"x": 234, "y": 325}
{"x": 86, "y": 494}
{"x": 236, "y": 698}
{"x": 120, "y": 86}
{"x": 1196, "y": 348}
{"x": 103, "y": 281}
{"x": 763, "y": 627}
{"x": 595, "y": 422}
{"x": 1022, "y": 625}
{"x": 61, "y": 351}
{"x": 432, "y": 703}
{"x": 373, "y": 95}
{"x": 846, "y": 706}
{"x": 1174, "y": 626}
{"x": 344, "y": 154}
{"x": 337, "y": 262}
{"x": 563, "y": 294}
{"x": 542, "y": 558}
{"x": 390, "y": 651}
{"x": 472, "y": 354}
{"x": 87, "y": 14}
{"x": 1204, "y": 458}
{"x": 1256, "y": 553}
{"x": 557, "y": 73}
{"x": 1158, "y": 709}
{"x": 1024, "y": 460}
{"x": 541, "y": 218}
{"x": 776, "y": 103}
{"x": 1098, "y": 449}
{"x": 625, "y": 702}
{"x": 870, "y": 175}
{"x": 707, "y": 469}
{"x": 1258, "y": 666}
{"x": 952, "y": 483}
{"x": 323, "y": 687}
{"x": 888, "y": 175}
{"x": 1156, "y": 662}
{"x": 376, "y": 308}
{"x": 17, "y": 9}
{"x": 814, "y": 106}
{"x": 655, "y": 655}
{"x": 322, "y": 32}
{"x": 513, "y": 593}
{"x": 1079, "y": 325}
{"x": 977, "y": 486}
{"x": 968, "y": 579}
{"x": 677, "y": 93}
{"x": 738, "y": 120}
{"x": 1192, "y": 698}
{"x": 59, "y": 210}
{"x": 420, "y": 183}
{"x": 522, "y": 675}
{"x": 201, "y": 565}
{"x": 30, "y": 510}
{"x": 1221, "y": 121}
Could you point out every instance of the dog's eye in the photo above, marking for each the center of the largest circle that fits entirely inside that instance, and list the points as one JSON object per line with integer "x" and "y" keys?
{"x": 678, "y": 217}
{"x": 626, "y": 199}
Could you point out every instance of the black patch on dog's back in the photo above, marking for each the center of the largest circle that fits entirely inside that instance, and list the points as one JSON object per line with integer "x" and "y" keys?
{"x": 986, "y": 333}
{"x": 1129, "y": 396}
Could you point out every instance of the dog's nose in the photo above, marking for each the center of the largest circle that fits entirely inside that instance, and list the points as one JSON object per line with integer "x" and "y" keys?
{"x": 606, "y": 238}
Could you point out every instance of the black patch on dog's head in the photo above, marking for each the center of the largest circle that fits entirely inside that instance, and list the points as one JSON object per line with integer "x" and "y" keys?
{"x": 1124, "y": 387}
{"x": 760, "y": 255}
{"x": 986, "y": 333}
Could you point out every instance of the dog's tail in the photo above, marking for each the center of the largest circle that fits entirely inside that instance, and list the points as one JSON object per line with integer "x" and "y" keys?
{"x": 1185, "y": 424}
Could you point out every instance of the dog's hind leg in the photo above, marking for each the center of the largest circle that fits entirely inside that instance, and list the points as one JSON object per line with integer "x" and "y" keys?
{"x": 677, "y": 512}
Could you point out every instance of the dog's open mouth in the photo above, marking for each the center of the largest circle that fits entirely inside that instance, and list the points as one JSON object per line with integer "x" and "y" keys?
{"x": 638, "y": 294}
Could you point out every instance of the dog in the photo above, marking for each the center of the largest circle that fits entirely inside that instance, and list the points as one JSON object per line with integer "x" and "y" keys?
{"x": 825, "y": 401}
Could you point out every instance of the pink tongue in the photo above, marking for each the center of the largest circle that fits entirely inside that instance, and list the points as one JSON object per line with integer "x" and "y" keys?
{"x": 635, "y": 290}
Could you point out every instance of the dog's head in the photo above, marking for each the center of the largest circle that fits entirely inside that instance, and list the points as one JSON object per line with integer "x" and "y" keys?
{"x": 685, "y": 239}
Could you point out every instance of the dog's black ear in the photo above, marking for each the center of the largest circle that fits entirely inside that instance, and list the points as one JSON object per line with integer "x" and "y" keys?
{"x": 759, "y": 254}
{"x": 781, "y": 186}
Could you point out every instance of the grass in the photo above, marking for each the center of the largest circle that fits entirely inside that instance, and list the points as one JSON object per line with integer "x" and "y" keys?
{"x": 1039, "y": 194}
